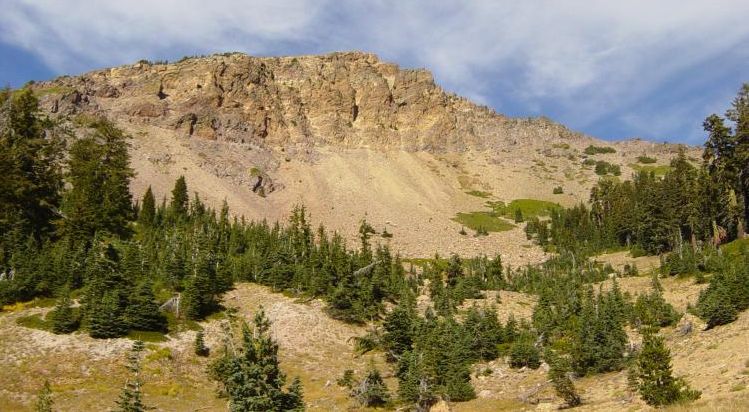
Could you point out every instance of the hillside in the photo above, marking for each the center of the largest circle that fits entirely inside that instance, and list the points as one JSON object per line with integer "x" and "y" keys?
{"x": 345, "y": 134}
{"x": 88, "y": 373}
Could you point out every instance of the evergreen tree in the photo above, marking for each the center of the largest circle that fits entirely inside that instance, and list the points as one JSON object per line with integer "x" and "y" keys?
{"x": 400, "y": 326}
{"x": 372, "y": 391}
{"x": 559, "y": 370}
{"x": 147, "y": 214}
{"x": 180, "y": 198}
{"x": 524, "y": 354}
{"x": 44, "y": 400}
{"x": 63, "y": 317}
{"x": 656, "y": 383}
{"x": 30, "y": 157}
{"x": 739, "y": 115}
{"x": 105, "y": 317}
{"x": 99, "y": 174}
{"x": 251, "y": 376}
{"x": 142, "y": 312}
{"x": 200, "y": 348}
{"x": 131, "y": 398}
{"x": 715, "y": 306}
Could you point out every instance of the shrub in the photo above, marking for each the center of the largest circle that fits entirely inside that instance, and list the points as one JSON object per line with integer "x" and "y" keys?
{"x": 646, "y": 159}
{"x": 558, "y": 190}
{"x": 592, "y": 150}
{"x": 604, "y": 168}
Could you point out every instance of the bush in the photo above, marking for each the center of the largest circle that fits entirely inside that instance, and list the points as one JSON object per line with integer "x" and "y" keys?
{"x": 558, "y": 190}
{"x": 646, "y": 159}
{"x": 592, "y": 150}
{"x": 603, "y": 168}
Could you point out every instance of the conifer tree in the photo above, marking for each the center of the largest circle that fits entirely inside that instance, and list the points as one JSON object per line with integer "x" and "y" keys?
{"x": 739, "y": 115}
{"x": 131, "y": 398}
{"x": 200, "y": 348}
{"x": 147, "y": 214}
{"x": 180, "y": 198}
{"x": 559, "y": 370}
{"x": 400, "y": 326}
{"x": 251, "y": 376}
{"x": 372, "y": 391}
{"x": 715, "y": 305}
{"x": 63, "y": 317}
{"x": 142, "y": 312}
{"x": 44, "y": 400}
{"x": 656, "y": 383}
{"x": 105, "y": 317}
{"x": 30, "y": 166}
{"x": 99, "y": 174}
{"x": 524, "y": 354}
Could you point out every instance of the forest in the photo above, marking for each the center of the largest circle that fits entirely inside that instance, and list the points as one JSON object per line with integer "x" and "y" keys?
{"x": 71, "y": 229}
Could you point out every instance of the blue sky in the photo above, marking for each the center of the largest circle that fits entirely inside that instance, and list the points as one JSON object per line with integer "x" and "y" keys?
{"x": 615, "y": 70}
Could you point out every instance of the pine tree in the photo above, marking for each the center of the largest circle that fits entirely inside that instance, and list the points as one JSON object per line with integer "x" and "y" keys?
{"x": 200, "y": 348}
{"x": 147, "y": 214}
{"x": 372, "y": 391}
{"x": 656, "y": 383}
{"x": 63, "y": 317}
{"x": 30, "y": 166}
{"x": 105, "y": 317}
{"x": 180, "y": 198}
{"x": 99, "y": 174}
{"x": 715, "y": 305}
{"x": 131, "y": 398}
{"x": 400, "y": 326}
{"x": 739, "y": 114}
{"x": 251, "y": 376}
{"x": 524, "y": 354}
{"x": 559, "y": 370}
{"x": 142, "y": 312}
{"x": 44, "y": 400}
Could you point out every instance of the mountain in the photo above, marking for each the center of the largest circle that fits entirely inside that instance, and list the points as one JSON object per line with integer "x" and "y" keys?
{"x": 347, "y": 135}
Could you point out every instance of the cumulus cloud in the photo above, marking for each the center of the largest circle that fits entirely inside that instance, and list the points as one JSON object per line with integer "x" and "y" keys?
{"x": 585, "y": 63}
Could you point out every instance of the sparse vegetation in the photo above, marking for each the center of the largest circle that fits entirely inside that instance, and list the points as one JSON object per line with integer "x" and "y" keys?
{"x": 660, "y": 170}
{"x": 479, "y": 193}
{"x": 646, "y": 159}
{"x": 605, "y": 168}
{"x": 487, "y": 221}
{"x": 594, "y": 150}
{"x": 44, "y": 400}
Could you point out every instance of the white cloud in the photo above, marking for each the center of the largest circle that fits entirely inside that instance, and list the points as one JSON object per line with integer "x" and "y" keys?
{"x": 583, "y": 60}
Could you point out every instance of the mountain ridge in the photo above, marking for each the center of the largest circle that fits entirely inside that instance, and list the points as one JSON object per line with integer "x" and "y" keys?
{"x": 350, "y": 99}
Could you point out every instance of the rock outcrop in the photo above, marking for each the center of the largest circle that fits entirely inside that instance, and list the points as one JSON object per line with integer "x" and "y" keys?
{"x": 344, "y": 99}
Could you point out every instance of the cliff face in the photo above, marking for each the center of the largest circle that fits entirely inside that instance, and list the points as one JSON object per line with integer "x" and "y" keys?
{"x": 341, "y": 99}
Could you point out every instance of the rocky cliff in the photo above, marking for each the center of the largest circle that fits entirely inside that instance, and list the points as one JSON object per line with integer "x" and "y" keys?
{"x": 345, "y": 99}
